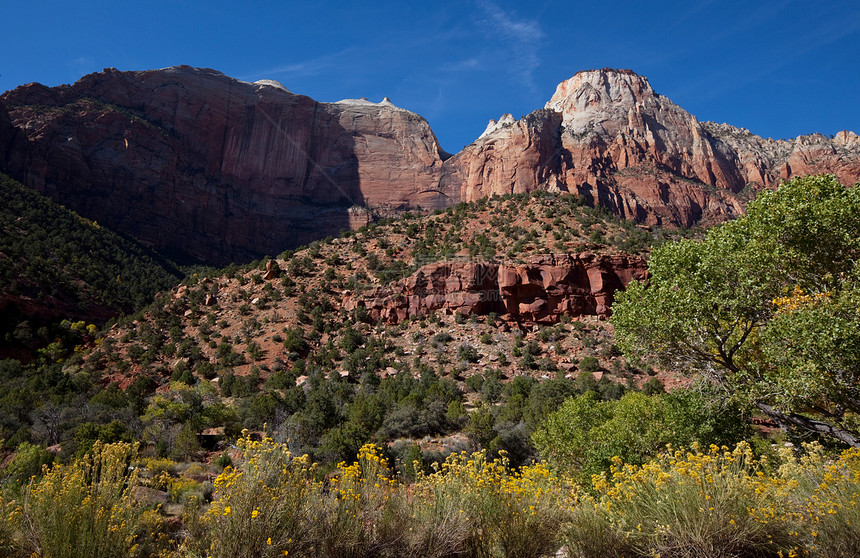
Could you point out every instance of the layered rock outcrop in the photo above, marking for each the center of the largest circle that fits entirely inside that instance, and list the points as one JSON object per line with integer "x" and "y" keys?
{"x": 541, "y": 290}
{"x": 205, "y": 165}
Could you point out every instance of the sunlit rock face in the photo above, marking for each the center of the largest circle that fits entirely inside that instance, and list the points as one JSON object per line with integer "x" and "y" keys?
{"x": 540, "y": 290}
{"x": 607, "y": 135}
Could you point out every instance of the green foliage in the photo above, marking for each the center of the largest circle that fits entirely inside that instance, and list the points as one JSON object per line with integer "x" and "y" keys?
{"x": 715, "y": 504}
{"x": 223, "y": 461}
{"x": 653, "y": 386}
{"x": 89, "y": 433}
{"x": 585, "y": 434}
{"x": 51, "y": 251}
{"x": 765, "y": 305}
{"x": 468, "y": 353}
{"x": 27, "y": 462}
{"x": 294, "y": 341}
{"x": 589, "y": 364}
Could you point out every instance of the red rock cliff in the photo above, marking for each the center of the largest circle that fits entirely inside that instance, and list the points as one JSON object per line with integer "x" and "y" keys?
{"x": 195, "y": 162}
{"x": 607, "y": 135}
{"x": 220, "y": 169}
{"x": 539, "y": 291}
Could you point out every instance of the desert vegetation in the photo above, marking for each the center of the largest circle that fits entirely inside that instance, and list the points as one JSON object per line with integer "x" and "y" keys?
{"x": 245, "y": 412}
{"x": 714, "y": 501}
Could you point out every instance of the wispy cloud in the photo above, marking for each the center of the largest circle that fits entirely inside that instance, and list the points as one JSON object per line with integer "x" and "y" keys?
{"x": 461, "y": 65}
{"x": 80, "y": 66}
{"x": 520, "y": 40}
{"x": 312, "y": 66}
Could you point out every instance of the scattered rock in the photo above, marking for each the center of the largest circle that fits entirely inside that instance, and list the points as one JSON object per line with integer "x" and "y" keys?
{"x": 273, "y": 270}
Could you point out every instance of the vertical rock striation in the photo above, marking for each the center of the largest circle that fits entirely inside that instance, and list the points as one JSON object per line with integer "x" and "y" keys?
{"x": 215, "y": 168}
{"x": 606, "y": 135}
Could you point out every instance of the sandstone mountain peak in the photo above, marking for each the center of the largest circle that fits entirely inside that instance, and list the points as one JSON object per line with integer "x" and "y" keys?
{"x": 605, "y": 100}
{"x": 606, "y": 135}
{"x": 505, "y": 120}
{"x": 847, "y": 138}
{"x": 385, "y": 102}
{"x": 599, "y": 89}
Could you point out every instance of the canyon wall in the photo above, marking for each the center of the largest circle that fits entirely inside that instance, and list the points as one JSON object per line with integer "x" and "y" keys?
{"x": 193, "y": 161}
{"x": 196, "y": 163}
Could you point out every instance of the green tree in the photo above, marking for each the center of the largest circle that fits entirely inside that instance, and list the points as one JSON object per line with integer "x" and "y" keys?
{"x": 585, "y": 433}
{"x": 765, "y": 306}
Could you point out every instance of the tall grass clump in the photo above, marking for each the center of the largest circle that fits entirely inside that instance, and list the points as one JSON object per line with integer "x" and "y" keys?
{"x": 271, "y": 504}
{"x": 362, "y": 513}
{"x": 828, "y": 495}
{"x": 473, "y": 506}
{"x": 264, "y": 507}
{"x": 9, "y": 513}
{"x": 88, "y": 509}
{"x": 715, "y": 503}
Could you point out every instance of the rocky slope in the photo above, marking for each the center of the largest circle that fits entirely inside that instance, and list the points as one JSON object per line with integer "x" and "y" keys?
{"x": 195, "y": 162}
{"x": 544, "y": 283}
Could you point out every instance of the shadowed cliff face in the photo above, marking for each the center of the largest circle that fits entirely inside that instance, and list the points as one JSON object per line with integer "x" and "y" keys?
{"x": 221, "y": 170}
{"x": 203, "y": 165}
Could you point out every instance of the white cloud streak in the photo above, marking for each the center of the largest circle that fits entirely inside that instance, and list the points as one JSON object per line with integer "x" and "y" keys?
{"x": 313, "y": 66}
{"x": 520, "y": 41}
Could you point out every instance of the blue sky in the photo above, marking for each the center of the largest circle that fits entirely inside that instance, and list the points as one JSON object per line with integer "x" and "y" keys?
{"x": 778, "y": 68}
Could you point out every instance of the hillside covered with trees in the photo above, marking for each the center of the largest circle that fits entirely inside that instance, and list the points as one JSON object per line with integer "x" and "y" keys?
{"x": 56, "y": 265}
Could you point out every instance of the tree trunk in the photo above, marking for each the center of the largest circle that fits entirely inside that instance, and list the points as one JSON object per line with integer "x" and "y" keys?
{"x": 811, "y": 425}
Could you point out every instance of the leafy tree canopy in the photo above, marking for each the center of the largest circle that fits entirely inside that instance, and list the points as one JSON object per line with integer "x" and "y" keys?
{"x": 767, "y": 306}
{"x": 585, "y": 434}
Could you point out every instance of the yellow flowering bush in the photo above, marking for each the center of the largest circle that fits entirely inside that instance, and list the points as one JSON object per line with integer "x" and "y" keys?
{"x": 714, "y": 502}
{"x": 701, "y": 503}
{"x": 263, "y": 507}
{"x": 155, "y": 466}
{"x": 720, "y": 502}
{"x": 827, "y": 495}
{"x": 88, "y": 508}
{"x": 184, "y": 490}
{"x": 363, "y": 511}
{"x": 478, "y": 507}
{"x": 271, "y": 505}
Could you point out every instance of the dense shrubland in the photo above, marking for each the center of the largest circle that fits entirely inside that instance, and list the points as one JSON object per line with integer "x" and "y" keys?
{"x": 714, "y": 501}
{"x": 236, "y": 363}
{"x": 57, "y": 258}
